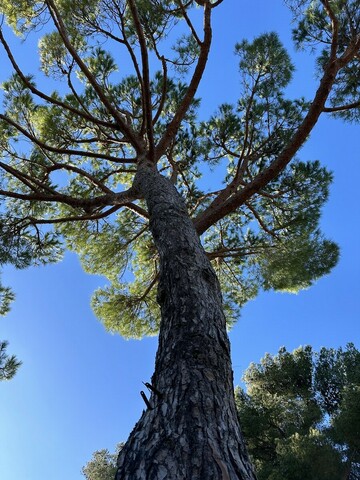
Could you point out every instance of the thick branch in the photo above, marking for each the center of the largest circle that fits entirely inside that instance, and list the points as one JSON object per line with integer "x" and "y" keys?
{"x": 215, "y": 212}
{"x": 88, "y": 204}
{"x": 145, "y": 85}
{"x": 342, "y": 108}
{"x": 27, "y": 180}
{"x": 47, "y": 98}
{"x": 124, "y": 127}
{"x": 136, "y": 209}
{"x": 61, "y": 151}
{"x": 192, "y": 88}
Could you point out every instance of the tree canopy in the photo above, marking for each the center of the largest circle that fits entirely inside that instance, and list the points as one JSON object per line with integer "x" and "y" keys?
{"x": 300, "y": 414}
{"x": 117, "y": 83}
{"x": 102, "y": 465}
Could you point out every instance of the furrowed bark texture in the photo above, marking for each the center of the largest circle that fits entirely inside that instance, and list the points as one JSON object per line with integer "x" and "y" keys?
{"x": 191, "y": 432}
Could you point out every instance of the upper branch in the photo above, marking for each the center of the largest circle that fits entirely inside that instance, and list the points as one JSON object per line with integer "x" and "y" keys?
{"x": 87, "y": 204}
{"x": 145, "y": 85}
{"x": 54, "y": 101}
{"x": 124, "y": 127}
{"x": 215, "y": 212}
{"x": 62, "y": 151}
{"x": 341, "y": 108}
{"x": 174, "y": 125}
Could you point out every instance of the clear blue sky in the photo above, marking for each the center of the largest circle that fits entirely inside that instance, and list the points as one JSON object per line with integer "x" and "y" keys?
{"x": 78, "y": 388}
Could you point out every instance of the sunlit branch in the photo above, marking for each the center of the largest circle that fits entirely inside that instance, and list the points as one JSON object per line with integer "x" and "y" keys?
{"x": 141, "y": 212}
{"x": 146, "y": 91}
{"x": 62, "y": 151}
{"x": 215, "y": 4}
{"x": 47, "y": 98}
{"x": 174, "y": 125}
{"x": 124, "y": 127}
{"x": 27, "y": 180}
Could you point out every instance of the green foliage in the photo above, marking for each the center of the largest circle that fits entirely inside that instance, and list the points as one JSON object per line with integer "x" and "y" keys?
{"x": 300, "y": 414}
{"x": 21, "y": 14}
{"x": 6, "y": 298}
{"x": 8, "y": 364}
{"x": 102, "y": 466}
{"x": 266, "y": 63}
{"x": 307, "y": 457}
{"x": 315, "y": 30}
{"x": 301, "y": 261}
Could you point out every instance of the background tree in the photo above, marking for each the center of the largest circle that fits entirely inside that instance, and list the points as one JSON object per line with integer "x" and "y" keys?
{"x": 109, "y": 154}
{"x": 300, "y": 414}
{"x": 102, "y": 466}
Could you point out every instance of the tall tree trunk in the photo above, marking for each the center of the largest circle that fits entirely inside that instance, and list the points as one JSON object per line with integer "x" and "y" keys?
{"x": 191, "y": 431}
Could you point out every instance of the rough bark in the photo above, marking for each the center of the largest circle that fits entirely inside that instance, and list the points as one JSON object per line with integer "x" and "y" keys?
{"x": 191, "y": 431}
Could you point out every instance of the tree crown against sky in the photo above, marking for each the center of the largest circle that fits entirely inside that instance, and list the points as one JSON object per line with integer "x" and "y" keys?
{"x": 300, "y": 414}
{"x": 126, "y": 75}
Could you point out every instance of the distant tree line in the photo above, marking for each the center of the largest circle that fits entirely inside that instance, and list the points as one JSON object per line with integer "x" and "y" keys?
{"x": 300, "y": 414}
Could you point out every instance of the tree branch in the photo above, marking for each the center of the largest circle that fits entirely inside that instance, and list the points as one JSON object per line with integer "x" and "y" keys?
{"x": 138, "y": 210}
{"x": 349, "y": 106}
{"x": 27, "y": 180}
{"x": 47, "y": 98}
{"x": 62, "y": 151}
{"x": 145, "y": 85}
{"x": 75, "y": 218}
{"x": 124, "y": 127}
{"x": 260, "y": 221}
{"x": 192, "y": 88}
{"x": 214, "y": 213}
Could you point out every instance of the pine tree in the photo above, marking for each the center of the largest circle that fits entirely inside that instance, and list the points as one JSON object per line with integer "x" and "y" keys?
{"x": 102, "y": 466}
{"x": 300, "y": 414}
{"x": 108, "y": 166}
